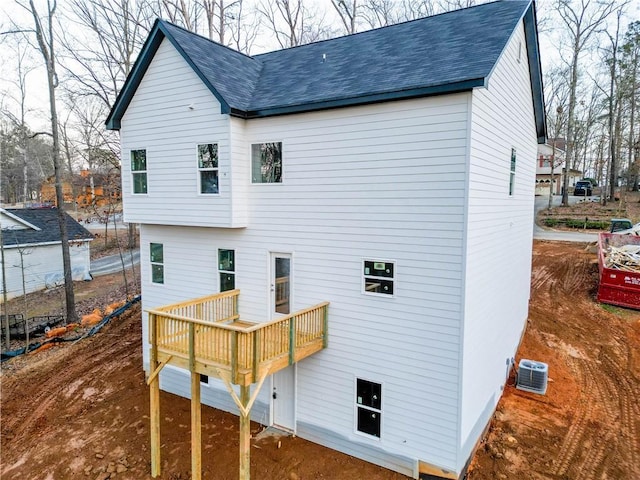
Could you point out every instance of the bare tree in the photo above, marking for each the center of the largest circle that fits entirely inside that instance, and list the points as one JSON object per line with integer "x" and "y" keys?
{"x": 293, "y": 23}
{"x": 23, "y": 252}
{"x": 414, "y": 9}
{"x": 4, "y": 293}
{"x": 348, "y": 13}
{"x": 220, "y": 16}
{"x": 379, "y": 13}
{"x": 46, "y": 45}
{"x": 244, "y": 28}
{"x": 117, "y": 29}
{"x": 629, "y": 67}
{"x": 556, "y": 96}
{"x": 614, "y": 108}
{"x": 101, "y": 51}
{"x": 582, "y": 20}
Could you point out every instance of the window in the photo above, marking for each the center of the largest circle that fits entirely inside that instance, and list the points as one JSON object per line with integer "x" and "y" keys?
{"x": 204, "y": 379}
{"x": 226, "y": 269}
{"x": 512, "y": 172}
{"x": 208, "y": 168}
{"x": 139, "y": 170}
{"x": 368, "y": 407}
{"x": 157, "y": 263}
{"x": 378, "y": 277}
{"x": 266, "y": 162}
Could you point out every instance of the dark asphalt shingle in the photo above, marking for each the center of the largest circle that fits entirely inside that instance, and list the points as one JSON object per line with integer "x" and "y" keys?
{"x": 443, "y": 49}
{"x": 445, "y": 53}
{"x": 439, "y": 50}
{"x": 47, "y": 220}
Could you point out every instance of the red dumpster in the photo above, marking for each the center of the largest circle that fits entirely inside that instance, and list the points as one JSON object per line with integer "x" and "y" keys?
{"x": 618, "y": 285}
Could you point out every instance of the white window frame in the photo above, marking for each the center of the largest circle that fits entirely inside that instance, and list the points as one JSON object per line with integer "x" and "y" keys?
{"x": 512, "y": 171}
{"x": 357, "y": 405}
{"x": 138, "y": 172}
{"x": 251, "y": 144}
{"x": 151, "y": 264}
{"x": 393, "y": 279}
{"x": 207, "y": 169}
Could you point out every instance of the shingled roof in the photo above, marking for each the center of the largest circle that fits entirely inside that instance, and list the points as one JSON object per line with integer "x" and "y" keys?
{"x": 445, "y": 53}
{"x": 41, "y": 227}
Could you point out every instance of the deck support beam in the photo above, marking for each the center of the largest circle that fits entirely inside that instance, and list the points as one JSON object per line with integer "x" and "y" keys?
{"x": 244, "y": 404}
{"x": 196, "y": 428}
{"x": 154, "y": 394}
{"x": 245, "y": 434}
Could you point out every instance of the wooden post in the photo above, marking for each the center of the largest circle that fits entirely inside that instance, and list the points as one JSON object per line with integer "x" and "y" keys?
{"x": 196, "y": 428}
{"x": 245, "y": 434}
{"x": 154, "y": 394}
{"x": 292, "y": 340}
{"x": 325, "y": 335}
{"x": 234, "y": 356}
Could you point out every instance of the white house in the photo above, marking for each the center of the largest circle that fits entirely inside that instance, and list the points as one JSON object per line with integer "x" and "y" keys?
{"x": 32, "y": 244}
{"x": 390, "y": 173}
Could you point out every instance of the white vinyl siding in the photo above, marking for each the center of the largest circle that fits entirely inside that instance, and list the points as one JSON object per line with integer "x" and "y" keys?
{"x": 499, "y": 237}
{"x": 170, "y": 114}
{"x": 385, "y": 182}
{"x": 43, "y": 266}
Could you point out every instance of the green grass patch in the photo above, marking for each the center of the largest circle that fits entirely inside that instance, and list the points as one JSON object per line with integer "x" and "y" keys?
{"x": 577, "y": 223}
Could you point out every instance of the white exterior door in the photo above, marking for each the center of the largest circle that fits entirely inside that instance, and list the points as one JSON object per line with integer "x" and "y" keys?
{"x": 283, "y": 399}
{"x": 283, "y": 383}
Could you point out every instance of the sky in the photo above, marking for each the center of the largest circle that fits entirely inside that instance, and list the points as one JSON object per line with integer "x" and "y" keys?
{"x": 38, "y": 117}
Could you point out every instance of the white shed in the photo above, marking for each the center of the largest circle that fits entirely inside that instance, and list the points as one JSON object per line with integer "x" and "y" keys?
{"x": 32, "y": 244}
{"x": 390, "y": 173}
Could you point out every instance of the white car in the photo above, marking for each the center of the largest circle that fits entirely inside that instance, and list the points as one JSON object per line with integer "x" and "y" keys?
{"x": 635, "y": 230}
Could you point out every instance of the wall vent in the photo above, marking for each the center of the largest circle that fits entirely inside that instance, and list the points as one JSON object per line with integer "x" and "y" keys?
{"x": 532, "y": 376}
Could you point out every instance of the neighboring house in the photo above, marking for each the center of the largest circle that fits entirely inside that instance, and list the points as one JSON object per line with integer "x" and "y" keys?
{"x": 32, "y": 243}
{"x": 389, "y": 173}
{"x": 548, "y": 156}
{"x": 98, "y": 189}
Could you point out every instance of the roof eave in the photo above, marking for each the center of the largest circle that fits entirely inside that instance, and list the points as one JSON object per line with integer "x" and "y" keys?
{"x": 158, "y": 33}
{"x": 535, "y": 72}
{"x": 20, "y": 220}
{"x": 28, "y": 244}
{"x": 448, "y": 88}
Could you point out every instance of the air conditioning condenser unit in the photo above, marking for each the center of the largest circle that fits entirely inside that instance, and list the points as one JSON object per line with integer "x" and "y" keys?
{"x": 532, "y": 376}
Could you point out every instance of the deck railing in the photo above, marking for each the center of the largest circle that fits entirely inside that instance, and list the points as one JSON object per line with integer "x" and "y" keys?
{"x": 203, "y": 332}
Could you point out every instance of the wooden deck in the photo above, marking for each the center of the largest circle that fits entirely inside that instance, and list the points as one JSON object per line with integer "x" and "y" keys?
{"x": 207, "y": 336}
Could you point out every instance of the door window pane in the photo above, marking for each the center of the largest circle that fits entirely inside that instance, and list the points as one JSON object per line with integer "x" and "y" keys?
{"x": 282, "y": 285}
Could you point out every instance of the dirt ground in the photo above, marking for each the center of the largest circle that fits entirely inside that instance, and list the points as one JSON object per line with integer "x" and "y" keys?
{"x": 81, "y": 410}
{"x": 587, "y": 426}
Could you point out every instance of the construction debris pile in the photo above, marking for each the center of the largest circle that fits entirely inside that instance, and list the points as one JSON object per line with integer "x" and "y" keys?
{"x": 623, "y": 257}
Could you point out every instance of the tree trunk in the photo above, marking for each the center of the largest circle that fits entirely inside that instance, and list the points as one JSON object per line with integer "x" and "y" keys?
{"x": 46, "y": 49}
{"x": 573, "y": 85}
{"x": 4, "y": 294}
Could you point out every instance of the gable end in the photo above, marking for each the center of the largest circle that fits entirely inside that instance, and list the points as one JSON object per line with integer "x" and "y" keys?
{"x": 149, "y": 49}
